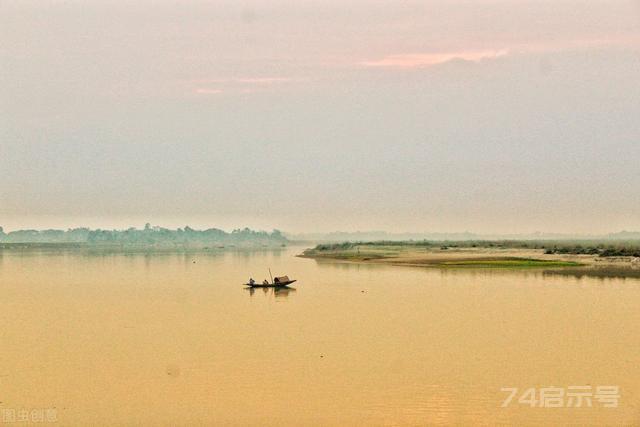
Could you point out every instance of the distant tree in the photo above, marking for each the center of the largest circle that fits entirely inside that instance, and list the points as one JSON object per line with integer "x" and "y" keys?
{"x": 150, "y": 235}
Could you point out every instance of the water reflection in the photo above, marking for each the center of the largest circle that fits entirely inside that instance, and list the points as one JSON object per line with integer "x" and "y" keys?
{"x": 601, "y": 273}
{"x": 328, "y": 264}
{"x": 275, "y": 292}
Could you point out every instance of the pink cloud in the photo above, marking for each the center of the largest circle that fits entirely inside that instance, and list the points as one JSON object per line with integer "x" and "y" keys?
{"x": 262, "y": 80}
{"x": 418, "y": 60}
{"x": 208, "y": 91}
{"x": 245, "y": 80}
{"x": 244, "y": 85}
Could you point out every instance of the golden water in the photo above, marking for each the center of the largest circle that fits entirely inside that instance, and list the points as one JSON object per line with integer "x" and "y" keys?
{"x": 173, "y": 339}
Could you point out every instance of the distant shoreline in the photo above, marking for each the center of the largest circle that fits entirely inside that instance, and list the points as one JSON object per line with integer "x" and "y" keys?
{"x": 409, "y": 254}
{"x": 148, "y": 238}
{"x": 114, "y": 247}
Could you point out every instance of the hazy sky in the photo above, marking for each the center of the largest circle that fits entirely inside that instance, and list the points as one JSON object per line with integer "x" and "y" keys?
{"x": 483, "y": 115}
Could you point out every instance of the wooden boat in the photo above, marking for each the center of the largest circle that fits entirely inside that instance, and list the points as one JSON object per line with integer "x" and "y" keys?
{"x": 270, "y": 285}
{"x": 278, "y": 282}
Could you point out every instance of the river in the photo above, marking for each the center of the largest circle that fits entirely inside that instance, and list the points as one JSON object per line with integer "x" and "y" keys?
{"x": 174, "y": 339}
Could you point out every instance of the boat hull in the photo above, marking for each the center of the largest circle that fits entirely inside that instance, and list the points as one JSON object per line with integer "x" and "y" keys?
{"x": 270, "y": 285}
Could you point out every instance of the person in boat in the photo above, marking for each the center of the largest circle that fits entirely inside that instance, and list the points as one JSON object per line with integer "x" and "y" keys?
{"x": 251, "y": 281}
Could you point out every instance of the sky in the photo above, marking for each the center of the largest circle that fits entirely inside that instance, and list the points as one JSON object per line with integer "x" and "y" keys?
{"x": 490, "y": 116}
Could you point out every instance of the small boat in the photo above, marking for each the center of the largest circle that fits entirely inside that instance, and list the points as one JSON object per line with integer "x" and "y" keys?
{"x": 269, "y": 285}
{"x": 278, "y": 282}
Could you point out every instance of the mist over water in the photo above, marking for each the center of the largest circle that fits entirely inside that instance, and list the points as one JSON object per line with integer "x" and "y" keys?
{"x": 156, "y": 155}
{"x": 351, "y": 344}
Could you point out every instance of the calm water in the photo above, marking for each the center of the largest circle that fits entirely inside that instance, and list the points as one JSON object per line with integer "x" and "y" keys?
{"x": 173, "y": 339}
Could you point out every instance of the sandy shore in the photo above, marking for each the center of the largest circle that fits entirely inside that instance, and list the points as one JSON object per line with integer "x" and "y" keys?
{"x": 459, "y": 257}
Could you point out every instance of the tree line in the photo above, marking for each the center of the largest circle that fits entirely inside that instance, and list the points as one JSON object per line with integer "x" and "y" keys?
{"x": 149, "y": 235}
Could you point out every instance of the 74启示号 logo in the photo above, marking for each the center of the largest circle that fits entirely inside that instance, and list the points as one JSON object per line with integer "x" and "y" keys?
{"x": 575, "y": 396}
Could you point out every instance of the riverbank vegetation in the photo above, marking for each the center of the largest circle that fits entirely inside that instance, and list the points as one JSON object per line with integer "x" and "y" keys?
{"x": 480, "y": 254}
{"x": 630, "y": 248}
{"x": 149, "y": 236}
